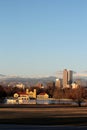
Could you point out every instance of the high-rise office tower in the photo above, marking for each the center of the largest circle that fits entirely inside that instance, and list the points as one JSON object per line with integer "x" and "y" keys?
{"x": 70, "y": 74}
{"x": 67, "y": 78}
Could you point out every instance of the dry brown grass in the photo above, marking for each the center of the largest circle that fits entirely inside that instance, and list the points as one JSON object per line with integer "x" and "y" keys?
{"x": 44, "y": 115}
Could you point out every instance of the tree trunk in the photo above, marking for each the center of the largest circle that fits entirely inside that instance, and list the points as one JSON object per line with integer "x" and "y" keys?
{"x": 79, "y": 103}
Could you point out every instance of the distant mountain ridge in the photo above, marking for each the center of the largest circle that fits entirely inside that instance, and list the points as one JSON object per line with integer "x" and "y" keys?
{"x": 30, "y": 81}
{"x": 1, "y": 75}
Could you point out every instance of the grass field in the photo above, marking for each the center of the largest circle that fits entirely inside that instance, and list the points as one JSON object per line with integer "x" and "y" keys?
{"x": 43, "y": 115}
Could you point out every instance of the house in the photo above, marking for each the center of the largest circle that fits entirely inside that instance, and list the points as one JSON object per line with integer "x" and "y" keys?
{"x": 42, "y": 96}
{"x": 32, "y": 94}
{"x": 11, "y": 101}
{"x": 21, "y": 98}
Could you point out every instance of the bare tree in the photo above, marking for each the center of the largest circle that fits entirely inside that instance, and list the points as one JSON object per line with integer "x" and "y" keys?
{"x": 78, "y": 95}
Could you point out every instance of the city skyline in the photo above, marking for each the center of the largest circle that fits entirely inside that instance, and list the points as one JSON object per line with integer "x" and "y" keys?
{"x": 39, "y": 38}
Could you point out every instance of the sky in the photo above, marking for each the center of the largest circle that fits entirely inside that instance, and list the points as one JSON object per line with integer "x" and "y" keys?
{"x": 42, "y": 37}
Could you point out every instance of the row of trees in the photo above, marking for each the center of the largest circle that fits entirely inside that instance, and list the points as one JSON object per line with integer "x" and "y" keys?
{"x": 78, "y": 95}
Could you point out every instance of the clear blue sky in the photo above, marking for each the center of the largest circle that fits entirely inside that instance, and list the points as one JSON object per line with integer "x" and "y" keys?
{"x": 41, "y": 37}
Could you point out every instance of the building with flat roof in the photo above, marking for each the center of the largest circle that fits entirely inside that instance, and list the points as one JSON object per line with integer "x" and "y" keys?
{"x": 58, "y": 83}
{"x": 70, "y": 76}
{"x": 67, "y": 77}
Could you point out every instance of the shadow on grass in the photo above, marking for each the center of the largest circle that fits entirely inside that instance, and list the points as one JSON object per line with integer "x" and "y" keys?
{"x": 46, "y": 121}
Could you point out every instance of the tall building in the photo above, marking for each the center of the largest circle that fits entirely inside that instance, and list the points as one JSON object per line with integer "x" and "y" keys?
{"x": 70, "y": 76}
{"x": 58, "y": 83}
{"x": 67, "y": 78}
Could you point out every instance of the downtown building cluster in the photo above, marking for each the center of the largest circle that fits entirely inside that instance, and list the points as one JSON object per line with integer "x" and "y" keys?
{"x": 67, "y": 81}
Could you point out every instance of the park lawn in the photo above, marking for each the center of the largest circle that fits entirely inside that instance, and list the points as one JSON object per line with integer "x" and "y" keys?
{"x": 44, "y": 115}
